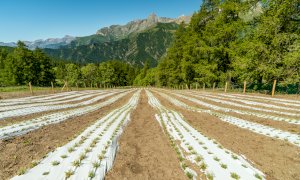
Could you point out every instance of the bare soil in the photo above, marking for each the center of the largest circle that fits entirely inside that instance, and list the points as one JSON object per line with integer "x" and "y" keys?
{"x": 19, "y": 152}
{"x": 277, "y": 159}
{"x": 145, "y": 152}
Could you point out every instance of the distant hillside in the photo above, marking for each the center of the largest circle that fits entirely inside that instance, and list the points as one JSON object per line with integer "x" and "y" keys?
{"x": 134, "y": 42}
{"x": 48, "y": 43}
{"x": 136, "y": 48}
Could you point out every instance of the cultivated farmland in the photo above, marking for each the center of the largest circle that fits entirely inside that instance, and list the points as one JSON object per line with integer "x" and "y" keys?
{"x": 149, "y": 133}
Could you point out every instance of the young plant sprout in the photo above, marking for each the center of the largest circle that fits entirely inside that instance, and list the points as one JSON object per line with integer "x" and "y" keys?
{"x": 55, "y": 163}
{"x": 69, "y": 173}
{"x": 64, "y": 156}
{"x": 46, "y": 173}
{"x": 76, "y": 163}
{"x": 91, "y": 174}
{"x": 234, "y": 175}
{"x": 96, "y": 164}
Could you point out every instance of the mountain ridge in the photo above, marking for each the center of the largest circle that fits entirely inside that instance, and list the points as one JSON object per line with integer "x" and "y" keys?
{"x": 111, "y": 33}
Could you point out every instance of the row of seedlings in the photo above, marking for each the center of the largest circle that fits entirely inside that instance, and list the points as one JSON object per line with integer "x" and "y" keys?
{"x": 262, "y": 100}
{"x": 55, "y": 102}
{"x": 38, "y": 109}
{"x": 251, "y": 102}
{"x": 36, "y": 123}
{"x": 207, "y": 154}
{"x": 30, "y": 99}
{"x": 246, "y": 106}
{"x": 257, "y": 114}
{"x": 88, "y": 156}
{"x": 277, "y": 100}
{"x": 251, "y": 126}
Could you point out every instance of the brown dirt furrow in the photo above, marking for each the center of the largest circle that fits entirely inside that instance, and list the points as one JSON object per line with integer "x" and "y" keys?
{"x": 19, "y": 152}
{"x": 145, "y": 152}
{"x": 13, "y": 120}
{"x": 277, "y": 159}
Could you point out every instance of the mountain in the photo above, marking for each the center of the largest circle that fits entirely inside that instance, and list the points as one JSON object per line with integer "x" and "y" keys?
{"x": 119, "y": 31}
{"x": 52, "y": 43}
{"x": 150, "y": 44}
{"x": 135, "y": 42}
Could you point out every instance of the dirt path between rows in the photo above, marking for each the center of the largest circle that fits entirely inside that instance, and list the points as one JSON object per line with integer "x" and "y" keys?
{"x": 21, "y": 151}
{"x": 145, "y": 152}
{"x": 277, "y": 159}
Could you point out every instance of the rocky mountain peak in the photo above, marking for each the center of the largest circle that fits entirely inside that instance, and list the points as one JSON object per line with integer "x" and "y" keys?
{"x": 152, "y": 18}
{"x": 118, "y": 31}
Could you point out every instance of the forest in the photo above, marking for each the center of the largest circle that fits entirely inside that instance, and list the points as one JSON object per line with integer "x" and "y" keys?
{"x": 234, "y": 41}
{"x": 20, "y": 66}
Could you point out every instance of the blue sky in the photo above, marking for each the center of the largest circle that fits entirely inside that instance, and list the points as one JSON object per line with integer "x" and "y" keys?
{"x": 41, "y": 19}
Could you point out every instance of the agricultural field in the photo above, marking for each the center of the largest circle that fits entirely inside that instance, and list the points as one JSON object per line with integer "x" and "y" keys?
{"x": 149, "y": 133}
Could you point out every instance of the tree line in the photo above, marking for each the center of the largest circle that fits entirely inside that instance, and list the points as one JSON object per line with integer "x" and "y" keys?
{"x": 233, "y": 41}
{"x": 19, "y": 66}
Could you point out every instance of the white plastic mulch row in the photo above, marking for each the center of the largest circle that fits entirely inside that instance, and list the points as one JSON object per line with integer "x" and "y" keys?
{"x": 36, "y": 123}
{"x": 35, "y": 98}
{"x": 251, "y": 98}
{"x": 49, "y": 98}
{"x": 90, "y": 155}
{"x": 38, "y": 109}
{"x": 208, "y": 155}
{"x": 250, "y": 102}
{"x": 251, "y": 126}
{"x": 245, "y": 106}
{"x": 68, "y": 96}
{"x": 276, "y": 100}
{"x": 54, "y": 102}
{"x": 257, "y": 114}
